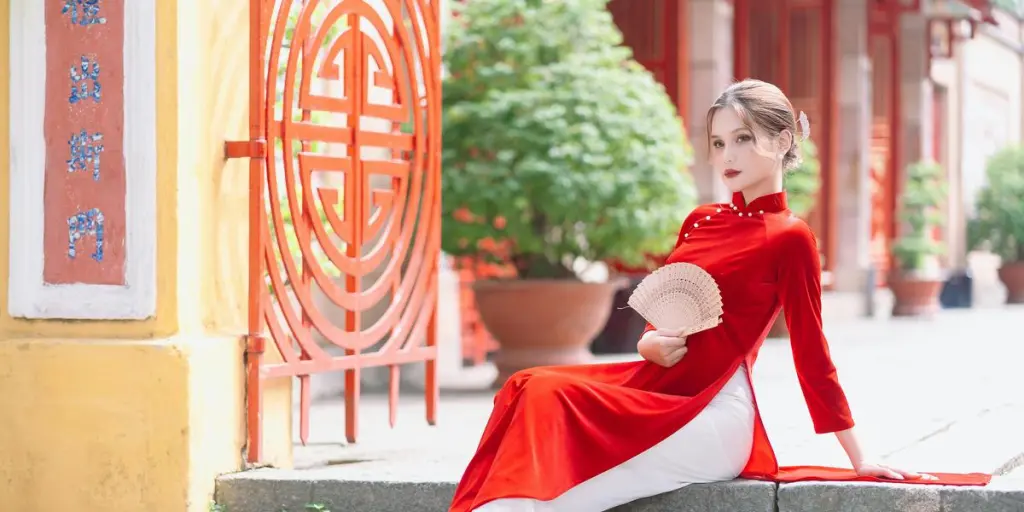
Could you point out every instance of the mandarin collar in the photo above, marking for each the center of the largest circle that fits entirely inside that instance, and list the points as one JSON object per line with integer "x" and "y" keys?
{"x": 770, "y": 203}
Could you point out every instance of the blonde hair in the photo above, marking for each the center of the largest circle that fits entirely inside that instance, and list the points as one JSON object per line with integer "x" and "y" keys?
{"x": 763, "y": 106}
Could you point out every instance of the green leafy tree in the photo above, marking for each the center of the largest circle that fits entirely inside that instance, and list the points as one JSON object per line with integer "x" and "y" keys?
{"x": 557, "y": 144}
{"x": 999, "y": 223}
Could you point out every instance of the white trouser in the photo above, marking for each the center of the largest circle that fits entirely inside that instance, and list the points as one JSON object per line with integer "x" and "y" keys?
{"x": 713, "y": 447}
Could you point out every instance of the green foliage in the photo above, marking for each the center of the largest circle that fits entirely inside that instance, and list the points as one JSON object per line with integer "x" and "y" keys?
{"x": 803, "y": 181}
{"x": 555, "y": 140}
{"x": 999, "y": 223}
{"x": 1013, "y": 6}
{"x": 920, "y": 211}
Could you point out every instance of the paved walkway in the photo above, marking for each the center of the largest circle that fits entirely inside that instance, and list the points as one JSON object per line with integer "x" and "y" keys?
{"x": 945, "y": 394}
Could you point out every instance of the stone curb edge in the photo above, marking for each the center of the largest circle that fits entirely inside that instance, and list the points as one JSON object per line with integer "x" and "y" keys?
{"x": 279, "y": 490}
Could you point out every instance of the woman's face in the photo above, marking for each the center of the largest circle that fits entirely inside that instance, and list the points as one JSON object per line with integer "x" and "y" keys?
{"x": 744, "y": 166}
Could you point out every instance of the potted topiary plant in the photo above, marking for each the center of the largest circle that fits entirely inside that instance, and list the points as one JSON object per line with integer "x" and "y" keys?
{"x": 999, "y": 223}
{"x": 916, "y": 279}
{"x": 802, "y": 184}
{"x": 559, "y": 150}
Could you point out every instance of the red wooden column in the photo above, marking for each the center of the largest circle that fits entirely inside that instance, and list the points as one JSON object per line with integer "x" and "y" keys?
{"x": 656, "y": 32}
{"x": 886, "y": 130}
{"x": 790, "y": 43}
{"x": 680, "y": 58}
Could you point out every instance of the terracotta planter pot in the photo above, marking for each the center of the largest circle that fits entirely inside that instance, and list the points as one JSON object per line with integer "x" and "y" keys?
{"x": 1012, "y": 276}
{"x": 624, "y": 326}
{"x": 543, "y": 322}
{"x": 914, "y": 295}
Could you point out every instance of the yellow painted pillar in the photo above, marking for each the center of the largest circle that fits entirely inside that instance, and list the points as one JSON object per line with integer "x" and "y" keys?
{"x": 133, "y": 398}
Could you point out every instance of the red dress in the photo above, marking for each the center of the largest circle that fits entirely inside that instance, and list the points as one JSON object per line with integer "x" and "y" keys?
{"x": 553, "y": 428}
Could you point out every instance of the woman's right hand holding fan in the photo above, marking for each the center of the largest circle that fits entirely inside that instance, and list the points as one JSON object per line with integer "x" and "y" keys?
{"x": 663, "y": 347}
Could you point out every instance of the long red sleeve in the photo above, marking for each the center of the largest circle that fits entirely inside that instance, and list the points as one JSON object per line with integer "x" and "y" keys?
{"x": 800, "y": 294}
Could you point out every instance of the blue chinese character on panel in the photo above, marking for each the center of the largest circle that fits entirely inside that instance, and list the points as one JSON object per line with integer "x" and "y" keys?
{"x": 85, "y": 151}
{"x": 82, "y": 224}
{"x": 83, "y": 12}
{"x": 88, "y": 73}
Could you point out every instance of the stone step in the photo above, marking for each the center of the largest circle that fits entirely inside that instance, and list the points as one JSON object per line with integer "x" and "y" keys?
{"x": 1004, "y": 494}
{"x": 274, "y": 490}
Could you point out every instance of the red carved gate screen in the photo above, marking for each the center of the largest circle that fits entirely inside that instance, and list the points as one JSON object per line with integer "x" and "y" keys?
{"x": 345, "y": 186}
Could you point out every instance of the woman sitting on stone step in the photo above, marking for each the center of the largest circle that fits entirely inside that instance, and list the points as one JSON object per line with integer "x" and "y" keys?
{"x": 591, "y": 437}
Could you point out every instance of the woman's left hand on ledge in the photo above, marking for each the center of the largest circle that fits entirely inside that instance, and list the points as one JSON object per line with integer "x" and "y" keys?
{"x": 883, "y": 471}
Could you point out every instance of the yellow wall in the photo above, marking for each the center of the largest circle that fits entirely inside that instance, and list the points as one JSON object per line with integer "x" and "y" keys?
{"x": 50, "y": 459}
{"x": 142, "y": 415}
{"x": 93, "y": 425}
{"x": 213, "y": 195}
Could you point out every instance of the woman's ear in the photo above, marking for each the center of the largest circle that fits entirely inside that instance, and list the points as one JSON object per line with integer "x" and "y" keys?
{"x": 785, "y": 141}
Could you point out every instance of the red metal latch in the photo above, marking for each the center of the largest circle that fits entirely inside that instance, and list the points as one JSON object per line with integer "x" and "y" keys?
{"x": 255, "y": 343}
{"x": 245, "y": 148}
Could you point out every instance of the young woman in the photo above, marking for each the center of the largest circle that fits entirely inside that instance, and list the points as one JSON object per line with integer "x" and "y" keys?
{"x": 591, "y": 437}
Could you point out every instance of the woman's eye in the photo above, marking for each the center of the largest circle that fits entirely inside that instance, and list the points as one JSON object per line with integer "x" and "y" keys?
{"x": 743, "y": 138}
{"x": 718, "y": 144}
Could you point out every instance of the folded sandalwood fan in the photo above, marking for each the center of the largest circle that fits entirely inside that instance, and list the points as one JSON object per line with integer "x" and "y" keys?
{"x": 679, "y": 296}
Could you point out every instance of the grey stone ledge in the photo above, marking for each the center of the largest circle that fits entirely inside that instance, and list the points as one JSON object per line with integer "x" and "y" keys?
{"x": 273, "y": 490}
{"x": 1004, "y": 494}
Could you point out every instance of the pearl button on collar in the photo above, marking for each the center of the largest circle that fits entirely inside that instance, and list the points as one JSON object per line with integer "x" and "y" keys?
{"x": 718, "y": 210}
